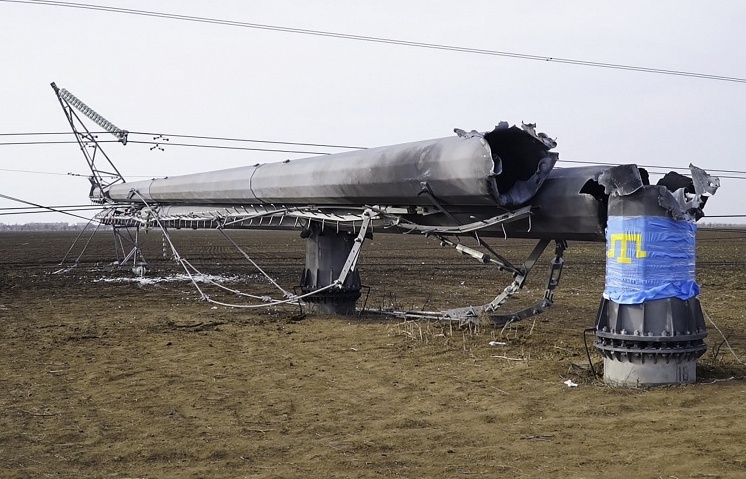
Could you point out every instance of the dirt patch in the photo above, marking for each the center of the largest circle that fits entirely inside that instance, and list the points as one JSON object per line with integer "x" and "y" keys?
{"x": 128, "y": 379}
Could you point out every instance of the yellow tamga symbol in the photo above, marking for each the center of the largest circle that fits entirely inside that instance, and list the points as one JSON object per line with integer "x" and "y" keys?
{"x": 623, "y": 238}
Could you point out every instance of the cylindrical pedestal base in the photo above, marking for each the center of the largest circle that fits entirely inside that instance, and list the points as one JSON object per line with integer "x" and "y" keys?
{"x": 650, "y": 344}
{"x": 637, "y": 374}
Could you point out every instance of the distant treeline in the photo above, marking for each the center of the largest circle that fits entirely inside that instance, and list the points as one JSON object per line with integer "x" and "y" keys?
{"x": 43, "y": 227}
{"x": 716, "y": 226}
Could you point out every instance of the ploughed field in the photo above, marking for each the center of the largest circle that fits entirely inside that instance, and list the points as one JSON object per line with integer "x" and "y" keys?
{"x": 105, "y": 376}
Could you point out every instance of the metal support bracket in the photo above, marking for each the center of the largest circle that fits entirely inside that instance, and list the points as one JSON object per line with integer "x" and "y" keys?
{"x": 428, "y": 191}
{"x": 555, "y": 272}
{"x": 352, "y": 258}
{"x": 122, "y": 243}
{"x": 499, "y": 261}
{"x": 520, "y": 274}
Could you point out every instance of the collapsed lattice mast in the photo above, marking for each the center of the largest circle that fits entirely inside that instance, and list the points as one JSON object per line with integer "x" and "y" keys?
{"x": 101, "y": 179}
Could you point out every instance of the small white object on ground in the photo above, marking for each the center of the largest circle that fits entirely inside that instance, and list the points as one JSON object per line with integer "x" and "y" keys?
{"x": 497, "y": 343}
{"x": 570, "y": 384}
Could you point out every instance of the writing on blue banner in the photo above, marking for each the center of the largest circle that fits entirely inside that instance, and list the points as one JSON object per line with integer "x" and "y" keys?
{"x": 648, "y": 258}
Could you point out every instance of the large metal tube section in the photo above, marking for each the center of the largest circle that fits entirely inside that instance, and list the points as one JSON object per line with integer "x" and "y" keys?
{"x": 231, "y": 186}
{"x": 570, "y": 205}
{"x": 467, "y": 170}
{"x": 456, "y": 169}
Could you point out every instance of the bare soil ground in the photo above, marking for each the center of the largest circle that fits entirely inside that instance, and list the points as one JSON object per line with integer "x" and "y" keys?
{"x": 137, "y": 380}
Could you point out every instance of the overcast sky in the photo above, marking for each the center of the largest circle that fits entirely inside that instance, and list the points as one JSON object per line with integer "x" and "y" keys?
{"x": 169, "y": 76}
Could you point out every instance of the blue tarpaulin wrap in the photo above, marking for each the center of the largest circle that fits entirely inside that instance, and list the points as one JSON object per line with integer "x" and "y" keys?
{"x": 648, "y": 258}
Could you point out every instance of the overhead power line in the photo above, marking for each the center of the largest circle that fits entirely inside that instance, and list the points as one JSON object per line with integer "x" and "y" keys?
{"x": 57, "y": 173}
{"x": 65, "y": 207}
{"x": 31, "y": 211}
{"x": 199, "y": 137}
{"x": 163, "y": 141}
{"x": 224, "y": 147}
{"x": 42, "y": 133}
{"x": 42, "y": 207}
{"x": 159, "y": 143}
{"x": 372, "y": 39}
{"x": 269, "y": 142}
{"x": 661, "y": 167}
{"x": 163, "y": 136}
{"x": 34, "y": 172}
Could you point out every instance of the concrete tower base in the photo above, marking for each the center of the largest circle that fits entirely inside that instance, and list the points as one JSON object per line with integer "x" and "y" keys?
{"x": 326, "y": 253}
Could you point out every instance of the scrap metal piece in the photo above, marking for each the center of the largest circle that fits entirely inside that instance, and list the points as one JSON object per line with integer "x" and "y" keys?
{"x": 687, "y": 195}
{"x": 530, "y": 128}
{"x": 677, "y": 203}
{"x": 472, "y": 314}
{"x": 704, "y": 184}
{"x": 621, "y": 180}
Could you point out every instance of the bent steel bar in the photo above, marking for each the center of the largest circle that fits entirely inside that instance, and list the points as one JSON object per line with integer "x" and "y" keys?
{"x": 504, "y": 167}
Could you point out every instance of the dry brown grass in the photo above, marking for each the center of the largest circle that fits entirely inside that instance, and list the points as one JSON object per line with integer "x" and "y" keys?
{"x": 126, "y": 380}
